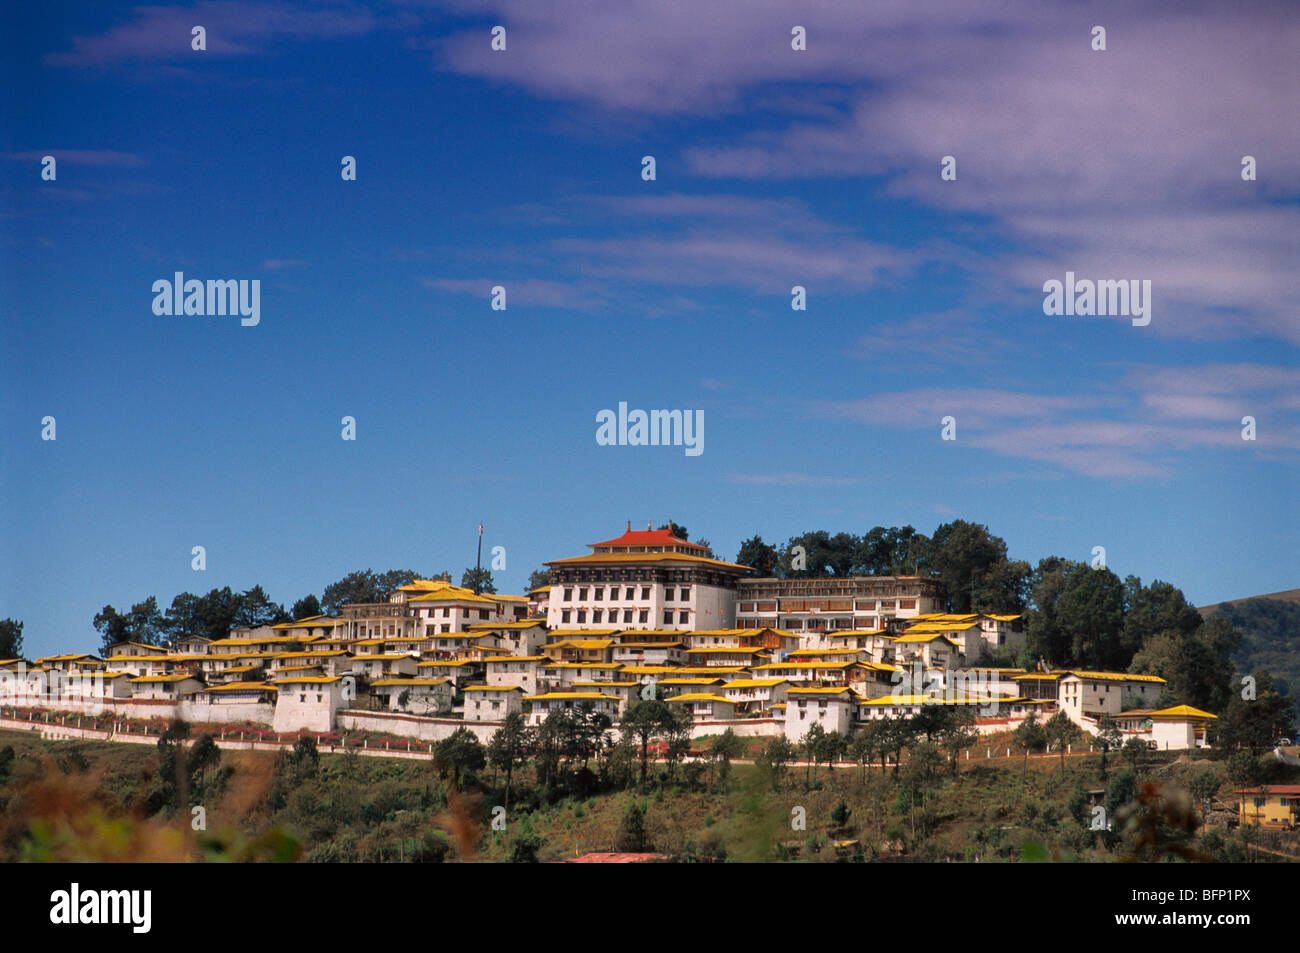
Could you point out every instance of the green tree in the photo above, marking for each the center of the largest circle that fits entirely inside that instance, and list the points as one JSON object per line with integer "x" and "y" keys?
{"x": 538, "y": 578}
{"x": 458, "y": 755}
{"x": 308, "y": 607}
{"x": 1090, "y": 612}
{"x": 896, "y": 551}
{"x": 958, "y": 734}
{"x": 11, "y": 639}
{"x": 1028, "y": 736}
{"x": 811, "y": 749}
{"x": 1121, "y": 790}
{"x": 1108, "y": 737}
{"x": 1150, "y": 610}
{"x": 973, "y": 565}
{"x": 144, "y": 624}
{"x": 254, "y": 608}
{"x": 775, "y": 758}
{"x": 1134, "y": 748}
{"x": 866, "y": 743}
{"x": 1203, "y": 784}
{"x": 480, "y": 580}
{"x": 366, "y": 585}
{"x": 632, "y": 836}
{"x": 203, "y": 756}
{"x": 1254, "y": 724}
{"x": 726, "y": 747}
{"x": 647, "y": 720}
{"x": 759, "y": 555}
{"x": 1060, "y": 732}
{"x": 507, "y": 746}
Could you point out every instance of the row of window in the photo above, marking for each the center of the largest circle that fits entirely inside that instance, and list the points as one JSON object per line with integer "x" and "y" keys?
{"x": 598, "y": 593}
{"x": 568, "y": 616}
{"x": 867, "y": 604}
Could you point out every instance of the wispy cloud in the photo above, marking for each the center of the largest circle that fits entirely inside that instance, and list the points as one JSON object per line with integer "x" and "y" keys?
{"x": 87, "y": 157}
{"x": 1136, "y": 426}
{"x": 155, "y": 34}
{"x": 789, "y": 479}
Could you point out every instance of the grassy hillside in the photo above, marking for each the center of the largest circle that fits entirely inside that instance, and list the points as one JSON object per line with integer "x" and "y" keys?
{"x": 1270, "y": 630}
{"x": 88, "y": 801}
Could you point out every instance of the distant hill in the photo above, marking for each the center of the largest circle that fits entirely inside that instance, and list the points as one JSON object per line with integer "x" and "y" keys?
{"x": 1270, "y": 636}
{"x": 1286, "y": 595}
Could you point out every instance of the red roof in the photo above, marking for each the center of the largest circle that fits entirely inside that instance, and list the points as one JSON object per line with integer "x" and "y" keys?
{"x": 1271, "y": 789}
{"x": 614, "y": 858}
{"x": 648, "y": 537}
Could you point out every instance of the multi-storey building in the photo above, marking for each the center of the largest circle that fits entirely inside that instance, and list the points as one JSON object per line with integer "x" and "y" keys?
{"x": 812, "y": 608}
{"x": 644, "y": 579}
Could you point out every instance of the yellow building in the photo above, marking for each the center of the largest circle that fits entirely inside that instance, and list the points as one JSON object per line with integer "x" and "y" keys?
{"x": 1274, "y": 806}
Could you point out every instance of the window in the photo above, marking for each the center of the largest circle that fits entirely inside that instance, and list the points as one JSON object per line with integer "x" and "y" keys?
{"x": 302, "y": 698}
{"x": 599, "y": 594}
{"x": 686, "y": 594}
{"x": 564, "y": 616}
{"x": 645, "y": 592}
{"x": 628, "y": 593}
{"x": 668, "y": 617}
{"x": 644, "y": 615}
{"x": 597, "y": 615}
{"x": 568, "y": 595}
{"x": 582, "y": 594}
{"x": 582, "y": 615}
{"x": 668, "y": 595}
{"x": 627, "y": 615}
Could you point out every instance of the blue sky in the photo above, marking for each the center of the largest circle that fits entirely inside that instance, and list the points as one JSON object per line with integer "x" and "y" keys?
{"x": 775, "y": 168}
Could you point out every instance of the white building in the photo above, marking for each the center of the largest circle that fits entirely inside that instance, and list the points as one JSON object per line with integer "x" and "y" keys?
{"x": 835, "y": 709}
{"x": 644, "y": 579}
{"x": 492, "y": 702}
{"x": 308, "y": 702}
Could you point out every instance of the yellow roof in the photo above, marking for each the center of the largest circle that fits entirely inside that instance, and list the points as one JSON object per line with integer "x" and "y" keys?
{"x": 161, "y": 678}
{"x": 432, "y": 662}
{"x": 756, "y": 683}
{"x": 815, "y": 666}
{"x": 644, "y": 558}
{"x": 588, "y": 696}
{"x": 699, "y": 697}
{"x": 916, "y": 637}
{"x": 727, "y": 650}
{"x": 581, "y": 633}
{"x": 493, "y": 688}
{"x": 386, "y": 682}
{"x": 1183, "y": 711}
{"x": 689, "y": 681}
{"x": 448, "y": 593}
{"x": 822, "y": 690}
{"x": 309, "y": 680}
{"x": 1111, "y": 676}
{"x": 241, "y": 687}
{"x": 516, "y": 658}
{"x": 517, "y": 624}
{"x": 928, "y": 700}
{"x": 580, "y": 643}
{"x": 312, "y": 622}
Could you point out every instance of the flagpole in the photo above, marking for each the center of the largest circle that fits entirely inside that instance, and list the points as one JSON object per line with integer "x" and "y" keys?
{"x": 478, "y": 559}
